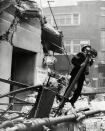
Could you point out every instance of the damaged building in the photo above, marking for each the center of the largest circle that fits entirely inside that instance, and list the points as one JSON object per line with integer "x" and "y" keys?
{"x": 21, "y": 45}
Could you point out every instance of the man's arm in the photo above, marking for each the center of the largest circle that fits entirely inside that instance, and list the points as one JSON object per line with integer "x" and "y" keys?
{"x": 78, "y": 59}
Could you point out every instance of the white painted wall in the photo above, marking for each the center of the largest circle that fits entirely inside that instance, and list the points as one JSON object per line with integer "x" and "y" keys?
{"x": 5, "y": 69}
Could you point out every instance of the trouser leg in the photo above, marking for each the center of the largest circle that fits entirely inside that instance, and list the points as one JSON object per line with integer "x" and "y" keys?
{"x": 77, "y": 92}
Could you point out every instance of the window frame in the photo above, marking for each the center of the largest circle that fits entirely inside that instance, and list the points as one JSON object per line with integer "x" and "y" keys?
{"x": 60, "y": 15}
{"x": 79, "y": 44}
{"x": 101, "y": 13}
{"x": 102, "y": 38}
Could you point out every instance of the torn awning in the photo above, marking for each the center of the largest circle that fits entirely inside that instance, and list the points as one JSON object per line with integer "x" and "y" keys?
{"x": 51, "y": 39}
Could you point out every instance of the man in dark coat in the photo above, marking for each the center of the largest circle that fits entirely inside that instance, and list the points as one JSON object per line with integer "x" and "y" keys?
{"x": 77, "y": 60}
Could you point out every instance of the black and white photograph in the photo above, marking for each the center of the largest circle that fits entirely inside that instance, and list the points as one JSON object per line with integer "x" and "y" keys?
{"x": 52, "y": 65}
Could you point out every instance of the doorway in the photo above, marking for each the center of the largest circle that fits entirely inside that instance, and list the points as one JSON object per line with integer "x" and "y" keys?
{"x": 23, "y": 68}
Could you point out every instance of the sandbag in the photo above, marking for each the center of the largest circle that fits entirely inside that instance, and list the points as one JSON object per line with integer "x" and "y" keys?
{"x": 51, "y": 38}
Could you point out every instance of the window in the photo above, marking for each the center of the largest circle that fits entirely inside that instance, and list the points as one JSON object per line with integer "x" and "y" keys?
{"x": 102, "y": 44}
{"x": 101, "y": 80}
{"x": 65, "y": 19}
{"x": 102, "y": 22}
{"x": 102, "y": 11}
{"x": 62, "y": 20}
{"x": 68, "y": 19}
{"x": 58, "y": 20}
{"x": 101, "y": 56}
{"x": 101, "y": 74}
{"x": 74, "y": 46}
{"x": 102, "y": 17}
{"x": 94, "y": 82}
{"x": 75, "y": 19}
{"x": 67, "y": 45}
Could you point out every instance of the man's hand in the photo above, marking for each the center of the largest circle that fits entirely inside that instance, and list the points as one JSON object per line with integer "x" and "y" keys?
{"x": 83, "y": 64}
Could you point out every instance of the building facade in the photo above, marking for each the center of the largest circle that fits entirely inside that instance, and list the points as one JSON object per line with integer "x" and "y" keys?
{"x": 22, "y": 55}
{"x": 81, "y": 24}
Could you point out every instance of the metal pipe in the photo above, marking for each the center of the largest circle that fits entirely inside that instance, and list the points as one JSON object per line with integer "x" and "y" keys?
{"x": 27, "y": 104}
{"x": 35, "y": 124}
{"x": 93, "y": 93}
{"x": 35, "y": 88}
{"x": 3, "y": 113}
{"x": 13, "y": 82}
